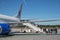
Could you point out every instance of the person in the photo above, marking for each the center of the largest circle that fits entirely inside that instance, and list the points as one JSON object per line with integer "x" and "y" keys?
{"x": 55, "y": 31}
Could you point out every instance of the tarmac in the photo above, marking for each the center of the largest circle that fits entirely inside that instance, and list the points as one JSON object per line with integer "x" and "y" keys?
{"x": 31, "y": 37}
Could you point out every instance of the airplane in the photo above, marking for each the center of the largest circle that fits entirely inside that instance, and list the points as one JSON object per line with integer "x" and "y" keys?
{"x": 6, "y": 20}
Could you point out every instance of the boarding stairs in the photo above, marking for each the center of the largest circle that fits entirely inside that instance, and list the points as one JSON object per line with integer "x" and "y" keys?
{"x": 34, "y": 27}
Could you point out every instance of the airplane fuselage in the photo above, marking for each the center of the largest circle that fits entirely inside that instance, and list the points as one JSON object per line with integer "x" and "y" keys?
{"x": 4, "y": 18}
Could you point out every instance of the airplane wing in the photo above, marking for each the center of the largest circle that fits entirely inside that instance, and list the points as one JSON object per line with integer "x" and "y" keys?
{"x": 45, "y": 20}
{"x": 25, "y": 21}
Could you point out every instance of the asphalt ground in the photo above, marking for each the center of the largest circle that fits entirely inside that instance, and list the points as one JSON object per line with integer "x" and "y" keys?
{"x": 31, "y": 37}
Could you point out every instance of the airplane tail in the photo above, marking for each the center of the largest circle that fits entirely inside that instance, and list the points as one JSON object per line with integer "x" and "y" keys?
{"x": 19, "y": 12}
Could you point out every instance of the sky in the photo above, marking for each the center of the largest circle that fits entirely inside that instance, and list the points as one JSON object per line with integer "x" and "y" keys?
{"x": 39, "y": 9}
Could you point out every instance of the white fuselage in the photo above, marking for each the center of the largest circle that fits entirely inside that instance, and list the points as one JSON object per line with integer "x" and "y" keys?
{"x": 4, "y": 18}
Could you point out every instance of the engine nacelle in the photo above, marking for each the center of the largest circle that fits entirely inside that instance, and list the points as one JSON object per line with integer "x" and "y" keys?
{"x": 4, "y": 29}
